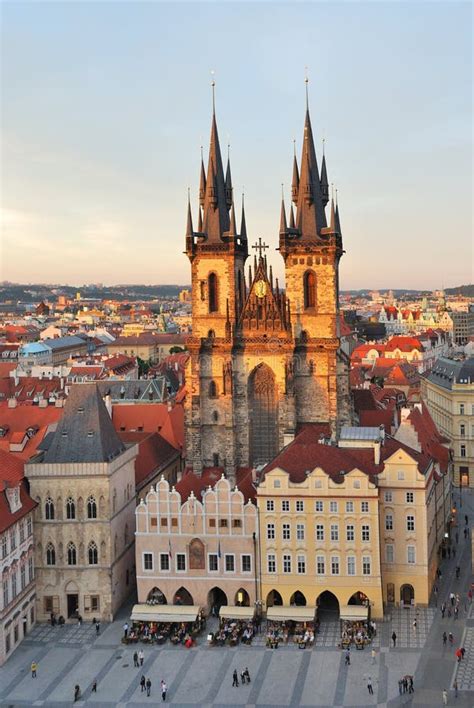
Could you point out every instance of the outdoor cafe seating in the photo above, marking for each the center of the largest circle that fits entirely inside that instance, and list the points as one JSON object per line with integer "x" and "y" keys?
{"x": 236, "y": 624}
{"x": 155, "y": 624}
{"x": 294, "y": 623}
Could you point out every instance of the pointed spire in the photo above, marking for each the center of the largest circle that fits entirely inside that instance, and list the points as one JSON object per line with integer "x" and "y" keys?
{"x": 233, "y": 226}
{"x": 216, "y": 214}
{"x": 283, "y": 224}
{"x": 338, "y": 221}
{"x": 295, "y": 182}
{"x": 310, "y": 216}
{"x": 243, "y": 224}
{"x": 189, "y": 224}
{"x": 292, "y": 217}
{"x": 324, "y": 179}
{"x": 332, "y": 220}
{"x": 200, "y": 221}
{"x": 228, "y": 181}
{"x": 202, "y": 182}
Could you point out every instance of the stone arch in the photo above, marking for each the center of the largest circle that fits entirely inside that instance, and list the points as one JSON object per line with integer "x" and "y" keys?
{"x": 358, "y": 598}
{"x": 263, "y": 415}
{"x": 182, "y": 597}
{"x": 298, "y": 599}
{"x": 327, "y": 603}
{"x": 156, "y": 597}
{"x": 71, "y": 587}
{"x": 407, "y": 594}
{"x": 274, "y": 598}
{"x": 242, "y": 598}
{"x": 216, "y": 597}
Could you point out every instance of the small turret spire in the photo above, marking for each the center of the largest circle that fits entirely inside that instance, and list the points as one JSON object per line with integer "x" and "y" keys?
{"x": 243, "y": 225}
{"x": 202, "y": 182}
{"x": 295, "y": 182}
{"x": 233, "y": 226}
{"x": 189, "y": 225}
{"x": 338, "y": 221}
{"x": 292, "y": 217}
{"x": 283, "y": 224}
{"x": 228, "y": 181}
{"x": 324, "y": 179}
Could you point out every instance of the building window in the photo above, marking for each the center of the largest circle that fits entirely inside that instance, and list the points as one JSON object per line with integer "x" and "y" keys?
{"x": 463, "y": 450}
{"x": 91, "y": 508}
{"x": 300, "y": 505}
{"x": 213, "y": 294}
{"x": 318, "y": 506}
{"x": 462, "y": 430}
{"x": 309, "y": 285}
{"x": 270, "y": 505}
{"x": 271, "y": 563}
{"x": 31, "y": 570}
{"x": 350, "y": 532}
{"x": 401, "y": 474}
{"x": 333, "y": 507}
{"x": 364, "y": 507}
{"x": 237, "y": 523}
{"x": 410, "y": 523}
{"x": 15, "y": 633}
{"x": 276, "y": 483}
{"x": 388, "y": 522}
{"x": 365, "y": 532}
{"x": 223, "y": 523}
{"x": 349, "y": 507}
{"x": 12, "y": 540}
{"x": 334, "y": 532}
{"x": 388, "y": 497}
{"x": 320, "y": 565}
{"x": 357, "y": 484}
{"x": 285, "y": 505}
{"x": 409, "y": 497}
{"x": 164, "y": 561}
{"x": 300, "y": 532}
{"x": 181, "y": 562}
{"x": 164, "y": 521}
{"x": 5, "y": 593}
{"x": 319, "y": 532}
{"x": 14, "y": 592}
{"x": 213, "y": 561}
{"x": 287, "y": 564}
{"x": 270, "y": 532}
{"x": 93, "y": 553}
{"x": 71, "y": 554}
{"x": 29, "y": 526}
{"x": 148, "y": 561}
{"x": 461, "y": 408}
{"x": 351, "y": 565}
{"x": 411, "y": 554}
{"x": 389, "y": 552}
{"x": 334, "y": 565}
{"x": 70, "y": 508}
{"x": 246, "y": 562}
{"x": 22, "y": 532}
{"x": 301, "y": 564}
{"x": 7, "y": 643}
{"x": 49, "y": 509}
{"x": 286, "y": 532}
{"x": 212, "y": 389}
{"x": 4, "y": 546}
{"x": 50, "y": 554}
{"x": 229, "y": 563}
{"x": 366, "y": 565}
{"x": 212, "y": 523}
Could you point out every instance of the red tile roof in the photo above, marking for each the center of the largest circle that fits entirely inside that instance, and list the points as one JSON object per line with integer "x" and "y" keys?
{"x": 154, "y": 454}
{"x": 12, "y": 469}
{"x": 191, "y": 482}
{"x": 151, "y": 418}
{"x": 7, "y": 519}
{"x": 19, "y": 419}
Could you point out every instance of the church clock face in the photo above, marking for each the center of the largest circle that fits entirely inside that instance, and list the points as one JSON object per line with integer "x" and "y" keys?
{"x": 260, "y": 288}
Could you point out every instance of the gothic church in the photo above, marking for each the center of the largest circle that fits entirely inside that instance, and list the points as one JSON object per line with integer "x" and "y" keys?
{"x": 264, "y": 360}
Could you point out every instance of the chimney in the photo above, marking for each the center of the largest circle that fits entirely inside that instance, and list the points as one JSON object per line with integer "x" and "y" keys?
{"x": 404, "y": 413}
{"x": 377, "y": 453}
{"x": 108, "y": 403}
{"x": 16, "y": 378}
{"x": 12, "y": 403}
{"x": 62, "y": 383}
{"x": 288, "y": 436}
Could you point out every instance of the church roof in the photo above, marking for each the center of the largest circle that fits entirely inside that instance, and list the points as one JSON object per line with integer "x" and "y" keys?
{"x": 85, "y": 432}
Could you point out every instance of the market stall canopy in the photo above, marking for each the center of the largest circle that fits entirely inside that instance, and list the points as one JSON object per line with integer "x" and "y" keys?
{"x": 280, "y": 613}
{"x": 356, "y": 613}
{"x": 165, "y": 613}
{"x": 231, "y": 612}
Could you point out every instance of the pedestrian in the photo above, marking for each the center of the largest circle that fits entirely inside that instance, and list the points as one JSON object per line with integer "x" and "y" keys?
{"x": 79, "y": 620}
{"x": 235, "y": 679}
{"x": 436, "y": 595}
{"x": 405, "y": 684}
{"x": 411, "y": 688}
{"x": 77, "y": 692}
{"x": 348, "y": 658}
{"x": 452, "y": 597}
{"x": 34, "y": 667}
{"x": 458, "y": 598}
{"x": 247, "y": 674}
{"x": 141, "y": 657}
{"x": 414, "y": 625}
{"x": 135, "y": 659}
{"x": 369, "y": 686}
{"x": 242, "y": 677}
{"x": 445, "y": 697}
{"x": 143, "y": 683}
{"x": 458, "y": 655}
{"x": 466, "y": 519}
{"x": 451, "y": 638}
{"x": 463, "y": 651}
{"x": 373, "y": 656}
{"x": 97, "y": 628}
{"x": 164, "y": 689}
{"x": 148, "y": 686}
{"x": 445, "y": 638}
{"x": 94, "y": 687}
{"x": 455, "y": 686}
{"x": 125, "y": 630}
{"x": 400, "y": 687}
{"x": 443, "y": 609}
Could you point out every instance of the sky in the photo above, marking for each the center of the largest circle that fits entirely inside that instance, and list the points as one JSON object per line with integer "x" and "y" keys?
{"x": 104, "y": 107}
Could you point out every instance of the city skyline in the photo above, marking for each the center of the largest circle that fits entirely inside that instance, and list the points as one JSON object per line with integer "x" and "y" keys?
{"x": 105, "y": 165}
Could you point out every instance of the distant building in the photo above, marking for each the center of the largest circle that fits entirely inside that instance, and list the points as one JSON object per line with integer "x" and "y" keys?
{"x": 463, "y": 326}
{"x": 51, "y": 352}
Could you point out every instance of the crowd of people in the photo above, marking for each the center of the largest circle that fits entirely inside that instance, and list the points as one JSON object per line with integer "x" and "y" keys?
{"x": 159, "y": 632}
{"x": 233, "y": 631}
{"x": 301, "y": 633}
{"x": 359, "y": 633}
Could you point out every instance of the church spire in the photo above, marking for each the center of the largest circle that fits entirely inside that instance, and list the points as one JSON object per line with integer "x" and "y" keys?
{"x": 338, "y": 221}
{"x": 295, "y": 182}
{"x": 324, "y": 179}
{"x": 228, "y": 181}
{"x": 292, "y": 217}
{"x": 233, "y": 225}
{"x": 216, "y": 215}
{"x": 243, "y": 224}
{"x": 189, "y": 224}
{"x": 202, "y": 182}
{"x": 283, "y": 224}
{"x": 310, "y": 216}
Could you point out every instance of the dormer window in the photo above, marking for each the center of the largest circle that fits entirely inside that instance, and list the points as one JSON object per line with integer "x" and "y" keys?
{"x": 90, "y": 433}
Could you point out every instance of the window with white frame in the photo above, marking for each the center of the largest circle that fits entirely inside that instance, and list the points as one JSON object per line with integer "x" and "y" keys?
{"x": 319, "y": 506}
{"x": 286, "y": 534}
{"x": 334, "y": 532}
{"x": 410, "y": 523}
{"x": 411, "y": 554}
{"x": 366, "y": 569}
{"x": 299, "y": 505}
{"x": 31, "y": 570}
{"x": 349, "y": 507}
{"x": 285, "y": 505}
{"x": 351, "y": 565}
{"x": 164, "y": 561}
{"x": 463, "y": 450}
{"x": 365, "y": 532}
{"x": 364, "y": 507}
{"x": 401, "y": 474}
{"x": 334, "y": 565}
{"x": 5, "y": 593}
{"x": 229, "y": 563}
{"x": 320, "y": 532}
{"x": 301, "y": 564}
{"x": 270, "y": 505}
{"x": 181, "y": 562}
{"x": 270, "y": 532}
{"x": 213, "y": 562}
{"x": 357, "y": 484}
{"x": 333, "y": 507}
{"x": 388, "y": 496}
{"x": 29, "y": 526}
{"x": 300, "y": 532}
{"x": 389, "y": 556}
{"x": 409, "y": 497}
{"x": 320, "y": 565}
{"x": 461, "y": 408}
{"x": 388, "y": 522}
{"x": 271, "y": 563}
{"x": 246, "y": 563}
{"x": 350, "y": 532}
{"x": 148, "y": 561}
{"x": 4, "y": 546}
{"x": 287, "y": 563}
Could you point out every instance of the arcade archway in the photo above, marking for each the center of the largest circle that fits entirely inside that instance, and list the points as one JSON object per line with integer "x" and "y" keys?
{"x": 156, "y": 597}
{"x": 298, "y": 599}
{"x": 242, "y": 598}
{"x": 182, "y": 597}
{"x": 328, "y": 605}
{"x": 215, "y": 599}
{"x": 274, "y": 598}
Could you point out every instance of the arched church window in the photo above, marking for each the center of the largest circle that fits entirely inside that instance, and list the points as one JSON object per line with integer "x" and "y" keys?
{"x": 215, "y": 416}
{"x": 92, "y": 553}
{"x": 50, "y": 554}
{"x": 70, "y": 508}
{"x": 212, "y": 291}
{"x": 91, "y": 508}
{"x": 212, "y": 389}
{"x": 71, "y": 554}
{"x": 309, "y": 285}
{"x": 49, "y": 509}
{"x": 215, "y": 459}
